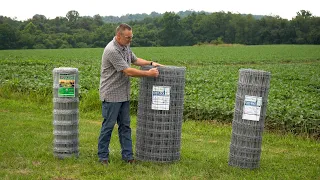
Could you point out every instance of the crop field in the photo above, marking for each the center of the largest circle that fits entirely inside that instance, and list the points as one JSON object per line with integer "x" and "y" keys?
{"x": 211, "y": 79}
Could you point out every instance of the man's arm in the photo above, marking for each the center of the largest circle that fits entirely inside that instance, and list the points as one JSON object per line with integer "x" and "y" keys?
{"x": 153, "y": 72}
{"x": 142, "y": 62}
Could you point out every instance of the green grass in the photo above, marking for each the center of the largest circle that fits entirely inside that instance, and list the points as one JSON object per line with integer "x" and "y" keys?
{"x": 26, "y": 129}
{"x": 26, "y": 150}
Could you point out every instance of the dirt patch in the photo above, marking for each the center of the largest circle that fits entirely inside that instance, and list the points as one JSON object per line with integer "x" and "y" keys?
{"x": 278, "y": 150}
{"x": 62, "y": 178}
{"x": 212, "y": 141}
{"x": 36, "y": 163}
{"x": 23, "y": 171}
{"x": 95, "y": 122}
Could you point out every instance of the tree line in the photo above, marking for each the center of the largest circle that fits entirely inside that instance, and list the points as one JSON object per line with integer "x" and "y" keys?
{"x": 169, "y": 29}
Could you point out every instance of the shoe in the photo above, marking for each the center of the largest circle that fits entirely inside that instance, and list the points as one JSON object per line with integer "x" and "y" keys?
{"x": 104, "y": 162}
{"x": 131, "y": 161}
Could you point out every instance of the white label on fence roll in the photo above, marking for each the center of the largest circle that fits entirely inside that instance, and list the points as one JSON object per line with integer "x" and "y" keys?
{"x": 252, "y": 108}
{"x": 160, "y": 97}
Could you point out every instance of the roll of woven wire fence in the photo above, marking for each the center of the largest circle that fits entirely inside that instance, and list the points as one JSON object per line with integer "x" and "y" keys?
{"x": 249, "y": 117}
{"x": 160, "y": 115}
{"x": 65, "y": 112}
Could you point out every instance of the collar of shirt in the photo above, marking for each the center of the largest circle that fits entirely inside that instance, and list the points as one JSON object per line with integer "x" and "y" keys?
{"x": 119, "y": 47}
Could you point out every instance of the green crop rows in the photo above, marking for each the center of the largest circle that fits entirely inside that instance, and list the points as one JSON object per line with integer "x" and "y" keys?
{"x": 211, "y": 79}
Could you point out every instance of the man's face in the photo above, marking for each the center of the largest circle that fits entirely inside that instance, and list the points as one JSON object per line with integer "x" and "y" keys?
{"x": 125, "y": 37}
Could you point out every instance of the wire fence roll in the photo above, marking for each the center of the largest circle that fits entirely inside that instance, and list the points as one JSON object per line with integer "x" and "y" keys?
{"x": 65, "y": 112}
{"x": 160, "y": 115}
{"x": 249, "y": 116}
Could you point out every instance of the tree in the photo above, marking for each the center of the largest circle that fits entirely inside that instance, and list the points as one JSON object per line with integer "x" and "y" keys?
{"x": 39, "y": 18}
{"x": 170, "y": 32}
{"x": 98, "y": 20}
{"x": 72, "y": 16}
{"x": 85, "y": 23}
{"x": 30, "y": 28}
{"x": 155, "y": 29}
{"x": 8, "y": 37}
{"x": 145, "y": 35}
{"x": 188, "y": 34}
{"x": 302, "y": 26}
{"x": 305, "y": 14}
{"x": 40, "y": 21}
{"x": 58, "y": 25}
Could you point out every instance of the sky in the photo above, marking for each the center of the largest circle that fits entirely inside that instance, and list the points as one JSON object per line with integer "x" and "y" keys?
{"x": 26, "y": 9}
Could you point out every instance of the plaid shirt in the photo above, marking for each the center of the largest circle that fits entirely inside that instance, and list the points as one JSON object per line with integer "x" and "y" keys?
{"x": 114, "y": 84}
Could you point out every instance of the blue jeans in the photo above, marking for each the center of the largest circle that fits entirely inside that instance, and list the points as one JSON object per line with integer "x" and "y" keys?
{"x": 113, "y": 112}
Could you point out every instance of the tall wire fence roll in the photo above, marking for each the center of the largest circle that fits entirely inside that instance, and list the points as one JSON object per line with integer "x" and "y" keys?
{"x": 249, "y": 117}
{"x": 160, "y": 115}
{"x": 65, "y": 112}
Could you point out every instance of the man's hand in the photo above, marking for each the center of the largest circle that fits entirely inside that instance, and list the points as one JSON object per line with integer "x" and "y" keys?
{"x": 153, "y": 72}
{"x": 156, "y": 64}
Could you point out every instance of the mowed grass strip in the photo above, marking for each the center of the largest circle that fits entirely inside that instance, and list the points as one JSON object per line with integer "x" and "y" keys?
{"x": 26, "y": 151}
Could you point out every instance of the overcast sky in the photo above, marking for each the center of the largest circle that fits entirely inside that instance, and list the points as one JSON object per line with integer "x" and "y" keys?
{"x": 25, "y": 9}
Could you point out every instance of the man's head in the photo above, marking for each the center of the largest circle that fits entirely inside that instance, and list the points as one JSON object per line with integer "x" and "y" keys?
{"x": 124, "y": 34}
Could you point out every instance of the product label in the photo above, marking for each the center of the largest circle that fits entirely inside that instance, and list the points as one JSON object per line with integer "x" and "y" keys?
{"x": 252, "y": 108}
{"x": 66, "y": 85}
{"x": 160, "y": 97}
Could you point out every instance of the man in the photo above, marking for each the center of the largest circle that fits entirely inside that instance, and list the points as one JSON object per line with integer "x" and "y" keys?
{"x": 115, "y": 91}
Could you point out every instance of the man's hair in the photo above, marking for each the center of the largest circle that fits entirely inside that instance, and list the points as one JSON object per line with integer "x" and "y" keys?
{"x": 122, "y": 27}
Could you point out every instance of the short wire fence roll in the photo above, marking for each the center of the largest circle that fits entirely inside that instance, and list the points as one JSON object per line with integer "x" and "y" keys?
{"x": 65, "y": 112}
{"x": 249, "y": 117}
{"x": 160, "y": 115}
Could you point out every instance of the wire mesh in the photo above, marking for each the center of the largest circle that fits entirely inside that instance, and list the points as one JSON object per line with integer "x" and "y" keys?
{"x": 249, "y": 116}
{"x": 159, "y": 121}
{"x": 65, "y": 112}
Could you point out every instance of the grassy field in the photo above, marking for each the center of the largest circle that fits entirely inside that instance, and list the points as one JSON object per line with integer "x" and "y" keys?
{"x": 290, "y": 148}
{"x": 26, "y": 151}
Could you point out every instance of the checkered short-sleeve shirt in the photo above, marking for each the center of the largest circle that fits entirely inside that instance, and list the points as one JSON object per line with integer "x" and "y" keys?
{"x": 114, "y": 84}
